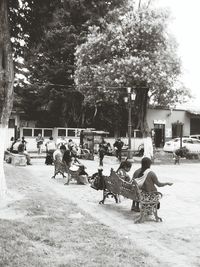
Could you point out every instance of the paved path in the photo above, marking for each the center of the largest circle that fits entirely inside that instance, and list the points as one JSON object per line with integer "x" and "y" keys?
{"x": 174, "y": 242}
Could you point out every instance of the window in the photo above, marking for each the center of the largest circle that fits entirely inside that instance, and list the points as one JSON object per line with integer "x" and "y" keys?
{"x": 188, "y": 141}
{"x": 47, "y": 133}
{"x": 177, "y": 129}
{"x": 37, "y": 131}
{"x": 61, "y": 132}
{"x": 71, "y": 133}
{"x": 196, "y": 142}
{"x": 138, "y": 134}
{"x": 27, "y": 132}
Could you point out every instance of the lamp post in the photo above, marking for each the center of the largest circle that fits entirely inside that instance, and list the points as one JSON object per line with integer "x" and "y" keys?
{"x": 129, "y": 99}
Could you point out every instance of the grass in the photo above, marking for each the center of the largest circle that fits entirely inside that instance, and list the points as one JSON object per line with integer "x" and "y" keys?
{"x": 48, "y": 236}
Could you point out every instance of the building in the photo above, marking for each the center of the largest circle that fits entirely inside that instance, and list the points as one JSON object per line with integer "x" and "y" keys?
{"x": 164, "y": 123}
{"x": 170, "y": 123}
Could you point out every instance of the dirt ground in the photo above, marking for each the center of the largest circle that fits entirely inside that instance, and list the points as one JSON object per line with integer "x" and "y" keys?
{"x": 59, "y": 225}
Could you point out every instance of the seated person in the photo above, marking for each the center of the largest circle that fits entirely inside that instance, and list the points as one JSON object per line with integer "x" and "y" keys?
{"x": 10, "y": 147}
{"x": 21, "y": 151}
{"x": 150, "y": 180}
{"x": 124, "y": 167}
{"x": 14, "y": 146}
{"x": 82, "y": 175}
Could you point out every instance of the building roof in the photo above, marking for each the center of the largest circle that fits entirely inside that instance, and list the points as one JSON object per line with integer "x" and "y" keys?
{"x": 194, "y": 111}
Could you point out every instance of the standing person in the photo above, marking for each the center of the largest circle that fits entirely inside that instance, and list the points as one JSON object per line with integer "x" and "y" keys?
{"x": 61, "y": 141}
{"x": 101, "y": 154}
{"x": 50, "y": 148}
{"x": 81, "y": 138}
{"x": 39, "y": 140}
{"x": 146, "y": 180}
{"x": 109, "y": 151}
{"x": 66, "y": 159}
{"x": 72, "y": 148}
{"x": 24, "y": 142}
{"x": 118, "y": 147}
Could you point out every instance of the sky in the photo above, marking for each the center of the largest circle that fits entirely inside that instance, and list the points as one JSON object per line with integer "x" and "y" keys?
{"x": 185, "y": 27}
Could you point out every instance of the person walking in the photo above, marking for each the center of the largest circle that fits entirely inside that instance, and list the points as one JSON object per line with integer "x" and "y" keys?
{"x": 118, "y": 148}
{"x": 39, "y": 140}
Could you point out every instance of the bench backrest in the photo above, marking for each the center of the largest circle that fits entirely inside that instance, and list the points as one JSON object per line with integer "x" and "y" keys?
{"x": 118, "y": 186}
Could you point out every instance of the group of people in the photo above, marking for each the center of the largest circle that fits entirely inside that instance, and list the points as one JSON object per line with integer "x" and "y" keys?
{"x": 106, "y": 149}
{"x": 65, "y": 158}
{"x": 146, "y": 179}
{"x": 52, "y": 146}
{"x": 18, "y": 146}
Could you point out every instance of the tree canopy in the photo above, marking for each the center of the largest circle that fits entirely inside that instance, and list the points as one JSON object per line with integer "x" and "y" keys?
{"x": 54, "y": 29}
{"x": 134, "y": 50}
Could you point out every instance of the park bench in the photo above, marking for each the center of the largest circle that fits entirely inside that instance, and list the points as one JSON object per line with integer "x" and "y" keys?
{"x": 15, "y": 159}
{"x": 114, "y": 186}
{"x": 62, "y": 168}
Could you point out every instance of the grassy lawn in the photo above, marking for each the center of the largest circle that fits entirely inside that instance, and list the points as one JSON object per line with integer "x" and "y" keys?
{"x": 51, "y": 231}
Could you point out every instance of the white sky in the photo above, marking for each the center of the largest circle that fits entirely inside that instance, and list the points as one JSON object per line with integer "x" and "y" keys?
{"x": 185, "y": 27}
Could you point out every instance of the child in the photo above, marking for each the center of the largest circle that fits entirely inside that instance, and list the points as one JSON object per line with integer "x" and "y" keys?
{"x": 82, "y": 175}
{"x": 124, "y": 167}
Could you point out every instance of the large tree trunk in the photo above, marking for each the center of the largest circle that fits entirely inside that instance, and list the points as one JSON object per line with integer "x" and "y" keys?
{"x": 142, "y": 105}
{"x": 6, "y": 86}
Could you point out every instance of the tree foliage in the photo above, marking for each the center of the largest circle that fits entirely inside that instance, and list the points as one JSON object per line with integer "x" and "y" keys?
{"x": 135, "y": 50}
{"x": 54, "y": 29}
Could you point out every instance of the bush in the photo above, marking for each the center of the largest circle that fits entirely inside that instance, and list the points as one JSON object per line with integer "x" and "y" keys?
{"x": 182, "y": 152}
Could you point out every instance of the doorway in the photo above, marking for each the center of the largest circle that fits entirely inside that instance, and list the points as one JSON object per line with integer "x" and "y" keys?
{"x": 159, "y": 135}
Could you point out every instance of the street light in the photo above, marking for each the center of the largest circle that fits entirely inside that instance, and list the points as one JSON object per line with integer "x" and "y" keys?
{"x": 129, "y": 99}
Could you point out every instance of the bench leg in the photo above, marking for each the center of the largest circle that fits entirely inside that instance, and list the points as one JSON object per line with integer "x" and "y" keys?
{"x": 141, "y": 217}
{"x": 148, "y": 209}
{"x": 57, "y": 172}
{"x": 106, "y": 194}
{"x": 69, "y": 178}
{"x": 145, "y": 209}
{"x": 155, "y": 212}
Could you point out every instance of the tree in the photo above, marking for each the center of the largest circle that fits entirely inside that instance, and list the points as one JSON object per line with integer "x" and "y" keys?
{"x": 134, "y": 50}
{"x": 6, "y": 85}
{"x": 54, "y": 30}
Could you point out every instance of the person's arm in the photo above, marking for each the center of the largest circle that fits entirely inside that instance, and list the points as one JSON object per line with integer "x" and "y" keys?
{"x": 157, "y": 182}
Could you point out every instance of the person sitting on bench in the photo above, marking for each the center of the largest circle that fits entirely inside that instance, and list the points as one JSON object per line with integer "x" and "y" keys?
{"x": 124, "y": 167}
{"x": 146, "y": 180}
{"x": 21, "y": 151}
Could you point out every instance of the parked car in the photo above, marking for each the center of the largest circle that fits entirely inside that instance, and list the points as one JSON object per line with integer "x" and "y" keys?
{"x": 196, "y": 136}
{"x": 192, "y": 144}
